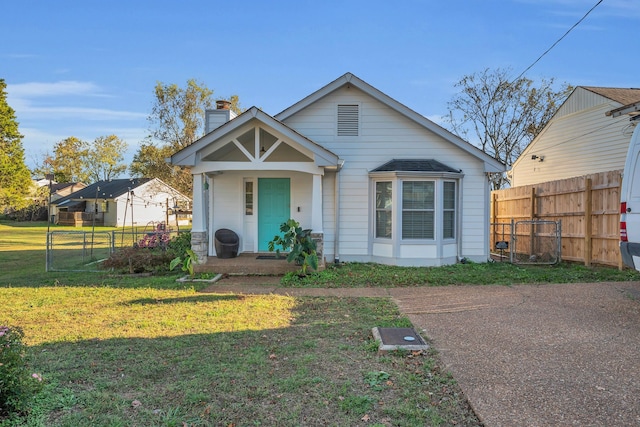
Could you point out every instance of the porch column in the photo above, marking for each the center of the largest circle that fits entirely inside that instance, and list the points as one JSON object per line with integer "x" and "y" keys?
{"x": 199, "y": 238}
{"x": 316, "y": 217}
{"x": 316, "y": 204}
{"x": 199, "y": 220}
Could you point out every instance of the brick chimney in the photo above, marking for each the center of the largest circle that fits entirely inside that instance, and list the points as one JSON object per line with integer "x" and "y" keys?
{"x": 221, "y": 115}
{"x": 223, "y": 104}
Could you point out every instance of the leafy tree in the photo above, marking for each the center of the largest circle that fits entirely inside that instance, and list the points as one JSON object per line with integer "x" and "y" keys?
{"x": 176, "y": 121}
{"x": 504, "y": 115}
{"x": 15, "y": 178}
{"x": 105, "y": 157}
{"x": 69, "y": 161}
{"x": 177, "y": 117}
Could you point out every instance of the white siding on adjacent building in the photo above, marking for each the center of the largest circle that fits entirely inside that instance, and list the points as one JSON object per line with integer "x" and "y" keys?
{"x": 575, "y": 144}
{"x": 580, "y": 139}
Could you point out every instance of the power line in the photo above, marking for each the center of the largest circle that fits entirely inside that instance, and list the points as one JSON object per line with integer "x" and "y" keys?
{"x": 559, "y": 40}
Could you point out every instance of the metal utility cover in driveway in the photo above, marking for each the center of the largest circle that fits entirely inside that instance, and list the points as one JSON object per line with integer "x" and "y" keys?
{"x": 398, "y": 338}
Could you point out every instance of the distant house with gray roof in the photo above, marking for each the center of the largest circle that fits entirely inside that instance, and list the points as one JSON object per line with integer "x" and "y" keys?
{"x": 118, "y": 202}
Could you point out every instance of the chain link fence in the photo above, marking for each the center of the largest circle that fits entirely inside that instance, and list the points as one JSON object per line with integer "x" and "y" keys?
{"x": 77, "y": 250}
{"x": 86, "y": 250}
{"x": 527, "y": 242}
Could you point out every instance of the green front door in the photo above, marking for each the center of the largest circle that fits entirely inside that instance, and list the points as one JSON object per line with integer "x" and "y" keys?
{"x": 273, "y": 208}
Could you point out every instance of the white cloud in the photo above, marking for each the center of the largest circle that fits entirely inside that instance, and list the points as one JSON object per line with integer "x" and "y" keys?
{"x": 28, "y": 100}
{"x": 81, "y": 113}
{"x": 39, "y": 89}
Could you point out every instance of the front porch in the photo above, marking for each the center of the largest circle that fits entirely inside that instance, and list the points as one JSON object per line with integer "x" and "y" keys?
{"x": 247, "y": 264}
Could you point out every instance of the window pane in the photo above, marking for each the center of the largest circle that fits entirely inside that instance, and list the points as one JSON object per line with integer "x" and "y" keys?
{"x": 418, "y": 201}
{"x": 417, "y": 225}
{"x": 418, "y": 195}
{"x": 383, "y": 224}
{"x": 383, "y": 209}
{"x": 448, "y": 225}
{"x": 449, "y": 211}
{"x": 248, "y": 198}
{"x": 383, "y": 195}
{"x": 449, "y": 195}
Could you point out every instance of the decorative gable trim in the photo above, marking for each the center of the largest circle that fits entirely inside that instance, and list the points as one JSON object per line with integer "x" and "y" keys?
{"x": 188, "y": 156}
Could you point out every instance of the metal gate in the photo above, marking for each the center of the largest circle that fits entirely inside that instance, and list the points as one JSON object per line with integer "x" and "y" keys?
{"x": 77, "y": 250}
{"x": 527, "y": 242}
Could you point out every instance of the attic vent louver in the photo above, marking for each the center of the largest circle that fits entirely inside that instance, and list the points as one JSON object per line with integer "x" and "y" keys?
{"x": 348, "y": 120}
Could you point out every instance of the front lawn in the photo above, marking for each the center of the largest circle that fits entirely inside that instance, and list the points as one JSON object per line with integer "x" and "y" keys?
{"x": 150, "y": 357}
{"x": 120, "y": 350}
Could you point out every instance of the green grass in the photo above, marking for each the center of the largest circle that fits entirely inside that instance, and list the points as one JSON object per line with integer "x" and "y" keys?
{"x": 493, "y": 273}
{"x": 152, "y": 357}
{"x": 149, "y": 351}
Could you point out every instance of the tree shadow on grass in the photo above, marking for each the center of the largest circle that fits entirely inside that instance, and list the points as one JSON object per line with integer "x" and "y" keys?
{"x": 192, "y": 299}
{"x": 299, "y": 374}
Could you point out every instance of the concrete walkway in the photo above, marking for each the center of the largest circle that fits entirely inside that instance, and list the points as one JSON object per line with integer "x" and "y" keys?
{"x": 526, "y": 355}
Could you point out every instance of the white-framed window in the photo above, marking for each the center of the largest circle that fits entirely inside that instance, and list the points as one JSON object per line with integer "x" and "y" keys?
{"x": 383, "y": 223}
{"x": 248, "y": 197}
{"x": 449, "y": 198}
{"x": 418, "y": 210}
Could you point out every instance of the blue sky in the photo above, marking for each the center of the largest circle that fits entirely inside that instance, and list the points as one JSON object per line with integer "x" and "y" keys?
{"x": 87, "y": 69}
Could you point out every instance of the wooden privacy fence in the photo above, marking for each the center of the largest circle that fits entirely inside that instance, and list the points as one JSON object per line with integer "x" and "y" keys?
{"x": 588, "y": 207}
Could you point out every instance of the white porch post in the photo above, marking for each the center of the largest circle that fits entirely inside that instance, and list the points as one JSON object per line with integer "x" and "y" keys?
{"x": 317, "y": 233}
{"x": 316, "y": 204}
{"x": 199, "y": 238}
{"x": 199, "y": 220}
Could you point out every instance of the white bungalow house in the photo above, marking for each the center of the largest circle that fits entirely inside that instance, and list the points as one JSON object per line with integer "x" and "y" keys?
{"x": 374, "y": 180}
{"x": 118, "y": 202}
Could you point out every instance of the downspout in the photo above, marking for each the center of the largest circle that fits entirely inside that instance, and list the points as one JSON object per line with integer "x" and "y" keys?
{"x": 336, "y": 214}
{"x": 459, "y": 219}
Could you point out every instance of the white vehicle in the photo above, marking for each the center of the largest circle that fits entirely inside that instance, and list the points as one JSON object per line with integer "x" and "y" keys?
{"x": 630, "y": 203}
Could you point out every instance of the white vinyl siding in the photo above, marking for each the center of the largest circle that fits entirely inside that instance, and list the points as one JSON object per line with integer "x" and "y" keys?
{"x": 579, "y": 140}
{"x": 384, "y": 135}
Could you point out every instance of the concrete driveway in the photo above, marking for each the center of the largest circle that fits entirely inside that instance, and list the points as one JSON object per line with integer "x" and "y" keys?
{"x": 538, "y": 355}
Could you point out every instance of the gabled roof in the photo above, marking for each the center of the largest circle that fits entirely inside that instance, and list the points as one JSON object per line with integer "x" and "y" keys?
{"x": 622, "y": 95}
{"x": 415, "y": 165}
{"x": 105, "y": 189}
{"x": 491, "y": 164}
{"x": 62, "y": 185}
{"x": 187, "y": 156}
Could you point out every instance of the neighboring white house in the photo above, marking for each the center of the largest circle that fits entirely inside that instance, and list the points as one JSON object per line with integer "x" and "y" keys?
{"x": 580, "y": 139}
{"x": 373, "y": 180}
{"x": 118, "y": 202}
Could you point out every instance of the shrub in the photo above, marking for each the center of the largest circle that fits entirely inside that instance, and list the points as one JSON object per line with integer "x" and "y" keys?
{"x": 157, "y": 238}
{"x": 139, "y": 260}
{"x": 299, "y": 244}
{"x": 180, "y": 244}
{"x": 18, "y": 385}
